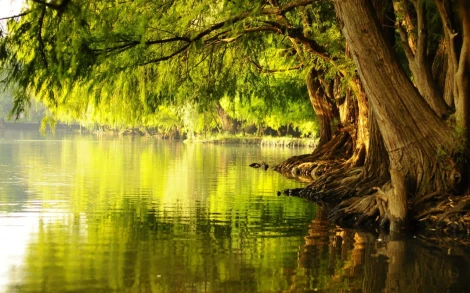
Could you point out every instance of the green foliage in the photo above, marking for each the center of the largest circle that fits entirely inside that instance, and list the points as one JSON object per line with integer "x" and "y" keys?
{"x": 458, "y": 149}
{"x": 47, "y": 120}
{"x": 116, "y": 64}
{"x": 31, "y": 111}
{"x": 287, "y": 105}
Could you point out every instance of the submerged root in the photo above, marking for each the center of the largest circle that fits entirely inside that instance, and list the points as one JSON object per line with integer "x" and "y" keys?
{"x": 359, "y": 198}
{"x": 369, "y": 210}
{"x": 444, "y": 213}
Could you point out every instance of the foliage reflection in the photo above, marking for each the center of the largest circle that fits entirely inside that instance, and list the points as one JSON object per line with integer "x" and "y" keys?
{"x": 136, "y": 215}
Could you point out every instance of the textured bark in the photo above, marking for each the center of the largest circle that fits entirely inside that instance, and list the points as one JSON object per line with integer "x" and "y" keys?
{"x": 377, "y": 162}
{"x": 397, "y": 200}
{"x": 325, "y": 108}
{"x": 386, "y": 16}
{"x": 357, "y": 124}
{"x": 455, "y": 17}
{"x": 411, "y": 131}
{"x": 443, "y": 73}
{"x": 412, "y": 152}
{"x": 462, "y": 98}
{"x": 452, "y": 42}
{"x": 417, "y": 58}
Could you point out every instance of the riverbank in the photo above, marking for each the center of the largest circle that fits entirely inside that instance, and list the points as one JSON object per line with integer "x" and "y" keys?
{"x": 267, "y": 141}
{"x": 35, "y": 126}
{"x": 359, "y": 199}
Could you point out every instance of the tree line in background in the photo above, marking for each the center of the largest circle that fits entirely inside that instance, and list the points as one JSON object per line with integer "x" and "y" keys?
{"x": 232, "y": 116}
{"x": 388, "y": 82}
{"x": 224, "y": 91}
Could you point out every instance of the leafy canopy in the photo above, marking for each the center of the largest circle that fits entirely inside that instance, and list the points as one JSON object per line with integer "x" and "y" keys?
{"x": 118, "y": 62}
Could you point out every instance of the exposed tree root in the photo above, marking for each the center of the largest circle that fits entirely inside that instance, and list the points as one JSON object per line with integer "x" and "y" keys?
{"x": 333, "y": 181}
{"x": 444, "y": 213}
{"x": 358, "y": 199}
{"x": 324, "y": 158}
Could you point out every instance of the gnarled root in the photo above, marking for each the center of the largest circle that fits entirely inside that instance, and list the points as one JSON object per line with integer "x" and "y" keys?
{"x": 335, "y": 152}
{"x": 434, "y": 212}
{"x": 369, "y": 210}
{"x": 337, "y": 183}
{"x": 443, "y": 213}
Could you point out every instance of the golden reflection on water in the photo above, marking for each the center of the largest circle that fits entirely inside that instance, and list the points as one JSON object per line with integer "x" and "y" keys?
{"x": 342, "y": 260}
{"x": 87, "y": 214}
{"x": 137, "y": 215}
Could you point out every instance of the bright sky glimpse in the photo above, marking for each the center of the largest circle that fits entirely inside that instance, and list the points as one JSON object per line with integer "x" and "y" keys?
{"x": 9, "y": 8}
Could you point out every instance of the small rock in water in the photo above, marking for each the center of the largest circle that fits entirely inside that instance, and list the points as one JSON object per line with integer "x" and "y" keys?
{"x": 255, "y": 165}
{"x": 261, "y": 165}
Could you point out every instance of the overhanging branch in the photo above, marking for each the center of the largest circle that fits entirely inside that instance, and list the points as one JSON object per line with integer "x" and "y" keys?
{"x": 16, "y": 16}
{"x": 206, "y": 32}
{"x": 166, "y": 57}
{"x": 261, "y": 69}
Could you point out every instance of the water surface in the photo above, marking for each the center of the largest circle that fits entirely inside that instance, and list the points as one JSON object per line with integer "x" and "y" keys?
{"x": 81, "y": 213}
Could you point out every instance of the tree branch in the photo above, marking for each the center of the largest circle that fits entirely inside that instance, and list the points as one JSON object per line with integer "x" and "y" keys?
{"x": 421, "y": 49}
{"x": 189, "y": 40}
{"x": 449, "y": 29}
{"x": 164, "y": 58}
{"x": 221, "y": 38}
{"x": 132, "y": 44}
{"x": 274, "y": 3}
{"x": 261, "y": 69}
{"x": 297, "y": 34}
{"x": 41, "y": 41}
{"x": 445, "y": 17}
{"x": 404, "y": 41}
{"x": 16, "y": 16}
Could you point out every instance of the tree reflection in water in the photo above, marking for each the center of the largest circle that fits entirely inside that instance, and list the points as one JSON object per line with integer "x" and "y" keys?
{"x": 340, "y": 260}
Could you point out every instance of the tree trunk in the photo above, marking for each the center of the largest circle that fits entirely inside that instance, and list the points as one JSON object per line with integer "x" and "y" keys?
{"x": 377, "y": 162}
{"x": 228, "y": 123}
{"x": 443, "y": 73}
{"x": 417, "y": 59}
{"x": 325, "y": 109}
{"x": 456, "y": 23}
{"x": 452, "y": 40}
{"x": 462, "y": 98}
{"x": 260, "y": 129}
{"x": 412, "y": 132}
{"x": 356, "y": 123}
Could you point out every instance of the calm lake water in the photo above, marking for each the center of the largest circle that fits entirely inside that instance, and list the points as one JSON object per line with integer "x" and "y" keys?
{"x": 81, "y": 213}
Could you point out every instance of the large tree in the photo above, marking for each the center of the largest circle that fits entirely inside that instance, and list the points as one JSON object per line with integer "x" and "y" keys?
{"x": 424, "y": 151}
{"x": 384, "y": 93}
